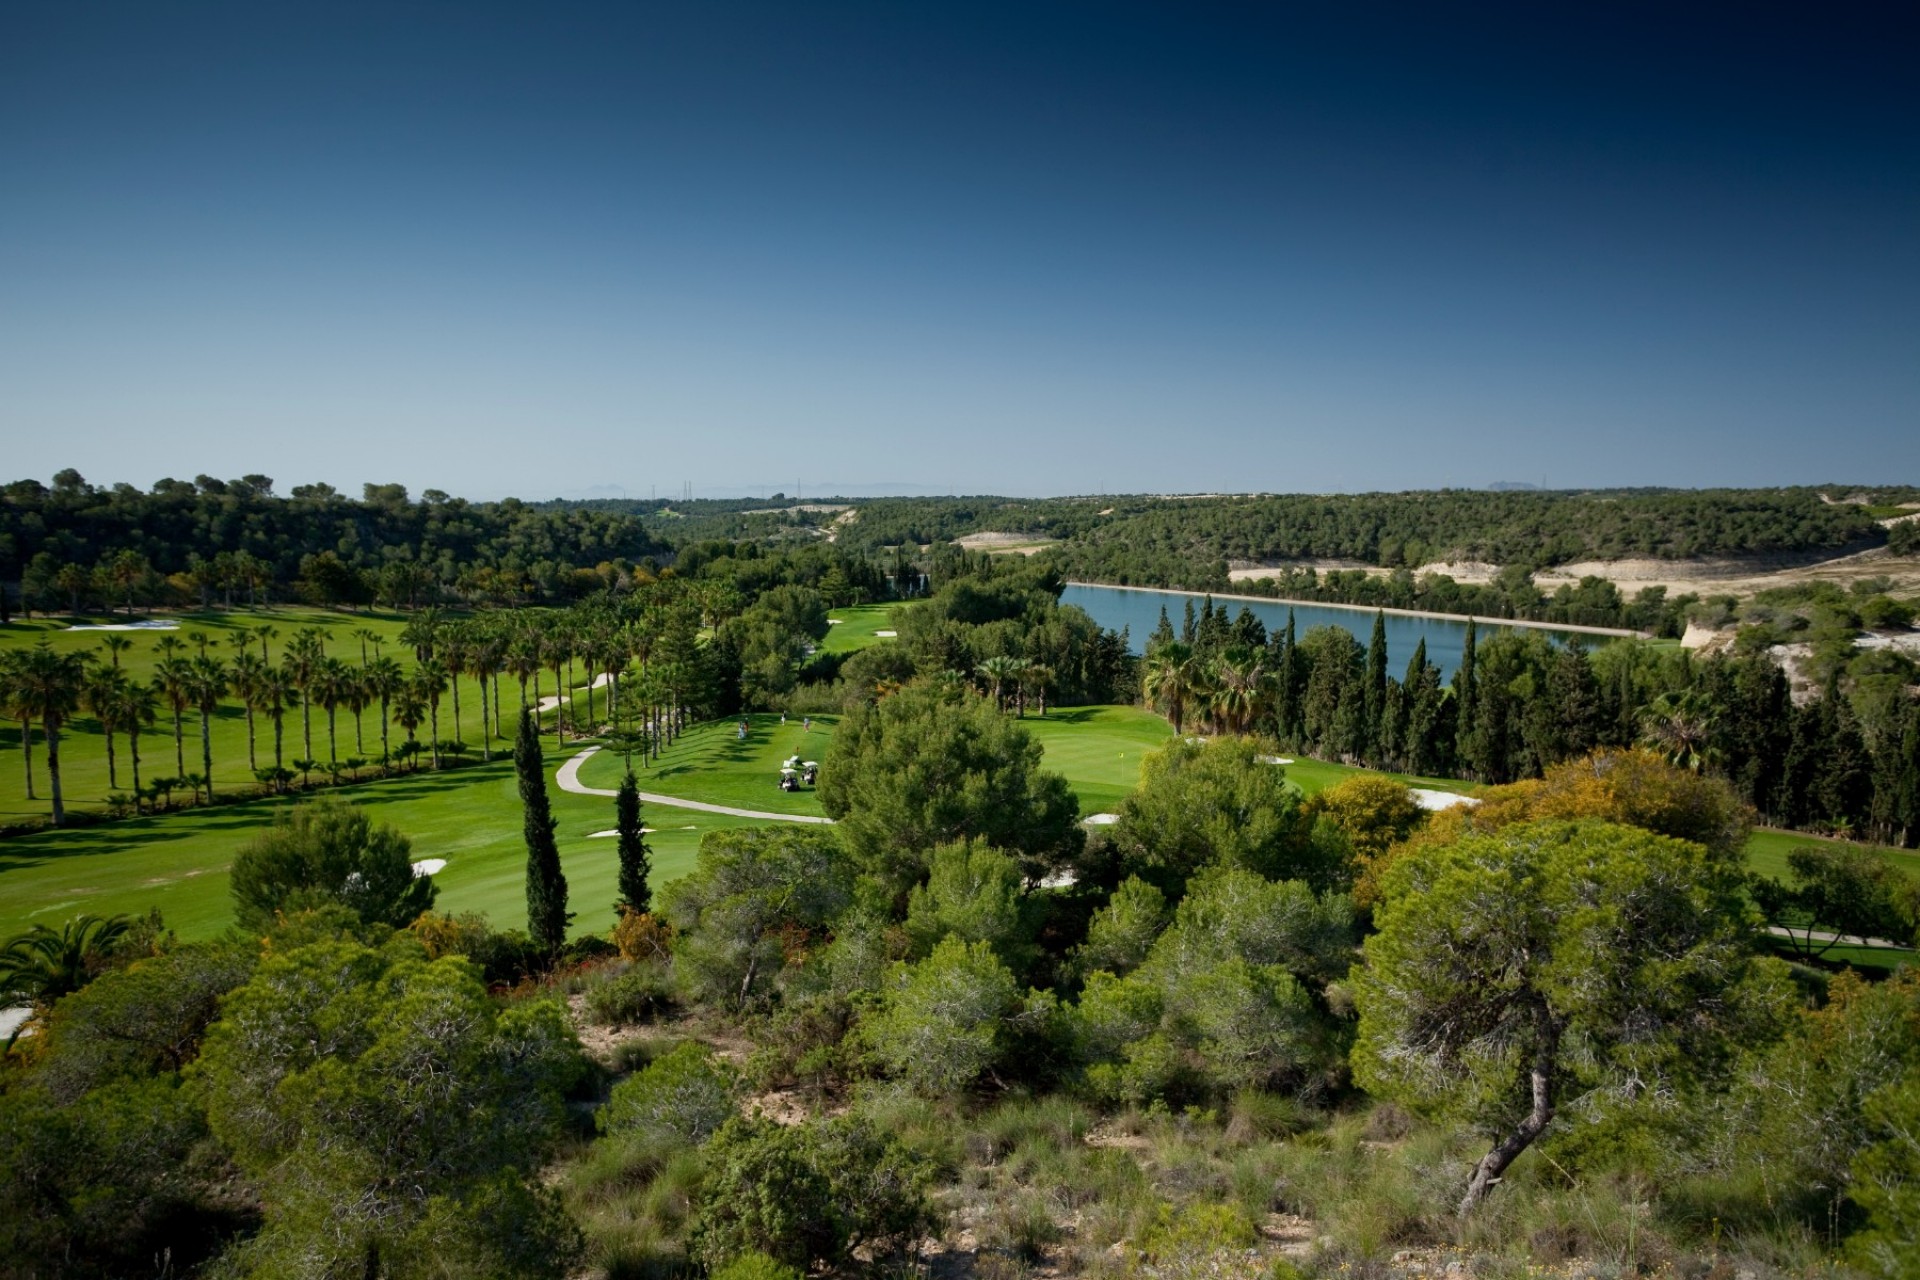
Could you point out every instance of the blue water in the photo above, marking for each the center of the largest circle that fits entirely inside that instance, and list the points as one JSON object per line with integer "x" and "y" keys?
{"x": 1138, "y": 609}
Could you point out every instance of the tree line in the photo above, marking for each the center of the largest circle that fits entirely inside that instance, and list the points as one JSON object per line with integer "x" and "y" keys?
{"x": 207, "y": 541}
{"x": 1846, "y": 761}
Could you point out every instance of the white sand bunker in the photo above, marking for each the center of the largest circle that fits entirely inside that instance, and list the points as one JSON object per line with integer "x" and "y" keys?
{"x": 1100, "y": 819}
{"x": 833, "y": 622}
{"x": 1437, "y": 800}
{"x": 887, "y": 634}
{"x": 1275, "y": 760}
{"x": 602, "y": 835}
{"x": 429, "y": 866}
{"x": 150, "y": 624}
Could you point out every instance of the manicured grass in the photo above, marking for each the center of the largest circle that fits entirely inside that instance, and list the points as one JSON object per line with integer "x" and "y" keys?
{"x": 854, "y": 627}
{"x": 710, "y": 763}
{"x": 470, "y": 817}
{"x": 1767, "y": 850}
{"x": 83, "y": 753}
{"x": 1099, "y": 749}
{"x": 1315, "y": 776}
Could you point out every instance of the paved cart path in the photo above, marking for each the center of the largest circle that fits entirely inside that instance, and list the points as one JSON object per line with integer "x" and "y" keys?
{"x": 568, "y": 777}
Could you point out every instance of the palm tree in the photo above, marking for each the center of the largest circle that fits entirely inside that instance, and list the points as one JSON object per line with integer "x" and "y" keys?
{"x": 133, "y": 712}
{"x": 558, "y": 652}
{"x": 484, "y": 657}
{"x": 102, "y": 697}
{"x": 265, "y": 634}
{"x": 115, "y": 646}
{"x": 125, "y": 571}
{"x": 1036, "y": 678}
{"x": 43, "y": 964}
{"x": 208, "y": 684}
{"x": 173, "y": 678}
{"x": 1168, "y": 680}
{"x": 383, "y": 680}
{"x": 46, "y": 685}
{"x": 305, "y": 654}
{"x": 1681, "y": 727}
{"x": 997, "y": 671}
{"x": 273, "y": 693}
{"x": 430, "y": 681}
{"x": 1239, "y": 689}
{"x": 15, "y": 709}
{"x": 455, "y": 644}
{"x": 199, "y": 640}
{"x": 366, "y": 636}
{"x": 523, "y": 661}
{"x": 409, "y": 712}
{"x": 331, "y": 686}
{"x": 248, "y": 672}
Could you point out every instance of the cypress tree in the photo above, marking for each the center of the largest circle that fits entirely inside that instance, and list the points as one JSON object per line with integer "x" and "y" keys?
{"x": 635, "y": 860}
{"x": 1373, "y": 739}
{"x": 1162, "y": 634}
{"x": 1466, "y": 696}
{"x": 1188, "y": 624}
{"x": 547, "y": 914}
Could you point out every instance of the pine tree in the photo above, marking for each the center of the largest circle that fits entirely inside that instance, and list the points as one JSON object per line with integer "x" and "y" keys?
{"x": 547, "y": 914}
{"x": 636, "y": 861}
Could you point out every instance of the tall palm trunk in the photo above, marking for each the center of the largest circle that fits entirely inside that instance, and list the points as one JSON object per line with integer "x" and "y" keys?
{"x": 333, "y": 751}
{"x": 113, "y": 773}
{"x": 385, "y": 756}
{"x": 279, "y": 728}
{"x": 179, "y": 747}
{"x": 359, "y": 741}
{"x": 26, "y": 746}
{"x": 306, "y": 724}
{"x": 433, "y": 728}
{"x": 456, "y": 706}
{"x": 133, "y": 753}
{"x": 252, "y": 765}
{"x": 206, "y": 749}
{"x": 51, "y": 729}
{"x": 486, "y": 729}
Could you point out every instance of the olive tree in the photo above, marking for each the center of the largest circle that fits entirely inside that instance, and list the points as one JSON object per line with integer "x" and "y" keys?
{"x": 1551, "y": 967}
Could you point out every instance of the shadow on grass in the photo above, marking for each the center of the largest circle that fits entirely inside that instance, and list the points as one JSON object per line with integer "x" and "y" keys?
{"x": 20, "y": 852}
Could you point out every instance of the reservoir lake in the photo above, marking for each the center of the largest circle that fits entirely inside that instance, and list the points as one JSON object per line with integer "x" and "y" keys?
{"x": 1138, "y": 610}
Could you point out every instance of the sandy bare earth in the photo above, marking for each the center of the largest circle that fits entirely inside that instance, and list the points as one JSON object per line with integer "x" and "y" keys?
{"x": 1741, "y": 577}
{"x": 1023, "y": 544}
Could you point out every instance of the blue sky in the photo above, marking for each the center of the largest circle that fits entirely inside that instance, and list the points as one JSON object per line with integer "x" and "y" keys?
{"x": 1037, "y": 248}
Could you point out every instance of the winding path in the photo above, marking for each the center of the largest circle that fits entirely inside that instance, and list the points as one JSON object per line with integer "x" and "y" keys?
{"x": 568, "y": 778}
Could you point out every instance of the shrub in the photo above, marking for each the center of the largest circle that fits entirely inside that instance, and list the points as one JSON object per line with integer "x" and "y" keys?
{"x": 638, "y": 994}
{"x": 808, "y": 1194}
{"x": 685, "y": 1094}
{"x": 756, "y": 1266}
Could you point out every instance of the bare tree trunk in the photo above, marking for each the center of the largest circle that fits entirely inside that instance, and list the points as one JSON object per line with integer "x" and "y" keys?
{"x": 1507, "y": 1150}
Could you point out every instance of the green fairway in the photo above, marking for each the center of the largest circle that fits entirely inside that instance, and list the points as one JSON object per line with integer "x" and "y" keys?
{"x": 710, "y": 763}
{"x": 1315, "y": 776}
{"x": 855, "y": 627}
{"x": 1768, "y": 847}
{"x": 469, "y": 817}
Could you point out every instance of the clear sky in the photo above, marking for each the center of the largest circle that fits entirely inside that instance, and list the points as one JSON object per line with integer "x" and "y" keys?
{"x": 544, "y": 248}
